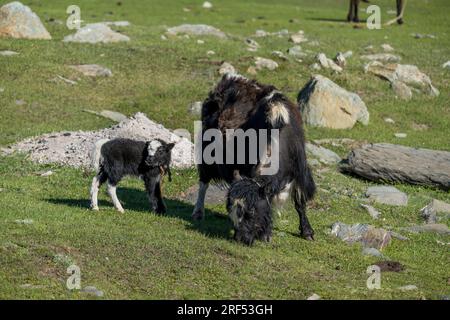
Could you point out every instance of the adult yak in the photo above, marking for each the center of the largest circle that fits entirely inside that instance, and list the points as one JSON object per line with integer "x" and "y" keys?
{"x": 238, "y": 104}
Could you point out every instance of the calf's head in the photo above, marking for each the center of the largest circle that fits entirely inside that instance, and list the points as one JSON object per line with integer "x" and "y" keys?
{"x": 159, "y": 155}
{"x": 250, "y": 211}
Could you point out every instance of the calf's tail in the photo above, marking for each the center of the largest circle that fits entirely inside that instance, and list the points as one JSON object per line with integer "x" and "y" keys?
{"x": 96, "y": 155}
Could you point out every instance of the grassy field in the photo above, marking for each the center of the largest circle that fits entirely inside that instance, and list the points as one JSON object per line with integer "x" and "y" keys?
{"x": 139, "y": 255}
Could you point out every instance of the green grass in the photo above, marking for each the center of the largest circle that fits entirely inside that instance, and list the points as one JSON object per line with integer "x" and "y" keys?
{"x": 143, "y": 256}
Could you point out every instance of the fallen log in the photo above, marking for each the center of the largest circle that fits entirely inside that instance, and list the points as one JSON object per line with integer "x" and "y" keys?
{"x": 394, "y": 163}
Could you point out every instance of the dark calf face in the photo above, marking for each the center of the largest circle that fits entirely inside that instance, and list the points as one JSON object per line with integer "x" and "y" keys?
{"x": 158, "y": 154}
{"x": 250, "y": 212}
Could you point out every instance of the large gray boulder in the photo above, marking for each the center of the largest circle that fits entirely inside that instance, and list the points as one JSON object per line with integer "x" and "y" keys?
{"x": 325, "y": 104}
{"x": 96, "y": 33}
{"x": 18, "y": 21}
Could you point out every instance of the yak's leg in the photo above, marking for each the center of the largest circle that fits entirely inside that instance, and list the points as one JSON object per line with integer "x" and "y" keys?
{"x": 199, "y": 210}
{"x": 97, "y": 181}
{"x": 350, "y": 11}
{"x": 306, "y": 231}
{"x": 112, "y": 193}
{"x": 356, "y": 9}
{"x": 400, "y": 11}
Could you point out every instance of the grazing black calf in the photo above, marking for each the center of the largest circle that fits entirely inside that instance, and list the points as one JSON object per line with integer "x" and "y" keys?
{"x": 117, "y": 158}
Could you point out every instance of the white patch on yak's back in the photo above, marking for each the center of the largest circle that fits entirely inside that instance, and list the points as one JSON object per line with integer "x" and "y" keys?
{"x": 153, "y": 146}
{"x": 277, "y": 111}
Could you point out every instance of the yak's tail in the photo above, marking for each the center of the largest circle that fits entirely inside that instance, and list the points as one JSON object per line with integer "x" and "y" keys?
{"x": 96, "y": 153}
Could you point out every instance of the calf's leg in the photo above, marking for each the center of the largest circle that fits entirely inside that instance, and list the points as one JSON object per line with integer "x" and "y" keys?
{"x": 199, "y": 209}
{"x": 151, "y": 185}
{"x": 97, "y": 181}
{"x": 112, "y": 193}
{"x": 160, "y": 207}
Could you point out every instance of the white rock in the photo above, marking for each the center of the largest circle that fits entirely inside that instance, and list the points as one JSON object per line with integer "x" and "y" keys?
{"x": 408, "y": 287}
{"x": 8, "y": 53}
{"x": 314, "y": 297}
{"x": 387, "y": 48}
{"x": 374, "y": 213}
{"x": 340, "y": 60}
{"x": 92, "y": 70}
{"x": 298, "y": 38}
{"x": 401, "y": 135}
{"x": 263, "y": 63}
{"x": 207, "y": 5}
{"x": 18, "y": 21}
{"x": 200, "y": 41}
{"x": 296, "y": 51}
{"x": 328, "y": 63}
{"x": 96, "y": 33}
{"x": 24, "y": 221}
{"x": 325, "y": 104}
{"x": 348, "y": 54}
{"x": 280, "y": 55}
{"x": 389, "y": 120}
{"x": 47, "y": 173}
{"x": 446, "y": 65}
{"x": 210, "y": 53}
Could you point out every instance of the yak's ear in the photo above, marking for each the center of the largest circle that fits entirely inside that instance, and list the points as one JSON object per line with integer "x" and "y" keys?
{"x": 170, "y": 146}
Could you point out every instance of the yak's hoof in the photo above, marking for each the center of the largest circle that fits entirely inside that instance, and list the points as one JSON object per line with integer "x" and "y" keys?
{"x": 161, "y": 210}
{"x": 95, "y": 208}
{"x": 308, "y": 237}
{"x": 400, "y": 21}
{"x": 121, "y": 210}
{"x": 197, "y": 215}
{"x": 356, "y": 20}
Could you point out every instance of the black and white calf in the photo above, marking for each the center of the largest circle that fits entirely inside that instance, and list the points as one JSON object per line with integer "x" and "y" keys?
{"x": 240, "y": 103}
{"x": 114, "y": 159}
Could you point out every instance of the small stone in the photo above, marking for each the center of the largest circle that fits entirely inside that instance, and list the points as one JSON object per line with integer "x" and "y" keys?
{"x": 163, "y": 37}
{"x": 314, "y": 296}
{"x": 409, "y": 287}
{"x": 368, "y": 235}
{"x": 24, "y": 221}
{"x": 207, "y": 5}
{"x": 280, "y": 55}
{"x": 20, "y": 102}
{"x": 296, "y": 51}
{"x": 372, "y": 252}
{"x": 374, "y": 213}
{"x": 446, "y": 65}
{"x": 440, "y": 206}
{"x": 382, "y": 57}
{"x": 400, "y": 135}
{"x": 8, "y": 53}
{"x": 2, "y": 90}
{"x": 210, "y": 53}
{"x": 263, "y": 63}
{"x": 92, "y": 70}
{"x": 252, "y": 44}
{"x": 328, "y": 63}
{"x": 195, "y": 108}
{"x": 200, "y": 42}
{"x": 47, "y": 173}
{"x": 298, "y": 38}
{"x": 324, "y": 155}
{"x": 387, "y": 195}
{"x": 389, "y": 120}
{"x": 432, "y": 228}
{"x": 91, "y": 290}
{"x": 226, "y": 68}
{"x": 387, "y": 48}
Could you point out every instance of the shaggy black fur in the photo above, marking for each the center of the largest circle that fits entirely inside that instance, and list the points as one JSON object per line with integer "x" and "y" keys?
{"x": 240, "y": 103}
{"x": 122, "y": 157}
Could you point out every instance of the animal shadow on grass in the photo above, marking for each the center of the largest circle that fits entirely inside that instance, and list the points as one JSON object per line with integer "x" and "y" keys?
{"x": 215, "y": 225}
